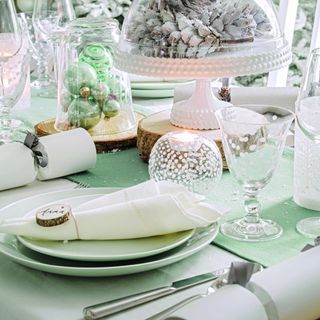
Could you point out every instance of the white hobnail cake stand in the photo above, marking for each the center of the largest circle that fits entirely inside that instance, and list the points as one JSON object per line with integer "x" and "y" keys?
{"x": 198, "y": 112}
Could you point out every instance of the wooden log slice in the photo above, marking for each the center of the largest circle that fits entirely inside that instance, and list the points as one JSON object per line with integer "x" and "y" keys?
{"x": 104, "y": 142}
{"x": 151, "y": 128}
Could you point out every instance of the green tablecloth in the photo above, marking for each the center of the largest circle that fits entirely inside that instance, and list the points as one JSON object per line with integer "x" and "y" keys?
{"x": 124, "y": 168}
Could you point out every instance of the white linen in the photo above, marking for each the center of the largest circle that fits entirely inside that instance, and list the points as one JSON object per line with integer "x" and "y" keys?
{"x": 231, "y": 302}
{"x": 68, "y": 152}
{"x": 17, "y": 166}
{"x": 128, "y": 216}
{"x": 290, "y": 290}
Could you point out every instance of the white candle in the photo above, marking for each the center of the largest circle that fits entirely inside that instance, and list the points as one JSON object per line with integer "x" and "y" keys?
{"x": 184, "y": 141}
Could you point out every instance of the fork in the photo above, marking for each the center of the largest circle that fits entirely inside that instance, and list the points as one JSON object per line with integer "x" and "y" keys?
{"x": 82, "y": 185}
{"x": 216, "y": 284}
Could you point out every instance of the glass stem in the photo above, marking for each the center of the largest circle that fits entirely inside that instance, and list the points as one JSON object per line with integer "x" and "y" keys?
{"x": 42, "y": 67}
{"x": 252, "y": 206}
{"x": 56, "y": 56}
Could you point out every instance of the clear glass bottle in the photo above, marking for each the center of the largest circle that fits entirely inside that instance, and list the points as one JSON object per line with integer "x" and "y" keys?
{"x": 92, "y": 94}
{"x": 307, "y": 147}
{"x": 307, "y": 138}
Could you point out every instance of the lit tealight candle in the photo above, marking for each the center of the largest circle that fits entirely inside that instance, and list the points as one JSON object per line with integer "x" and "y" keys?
{"x": 184, "y": 141}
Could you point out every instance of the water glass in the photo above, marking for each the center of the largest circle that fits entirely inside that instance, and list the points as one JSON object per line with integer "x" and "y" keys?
{"x": 253, "y": 140}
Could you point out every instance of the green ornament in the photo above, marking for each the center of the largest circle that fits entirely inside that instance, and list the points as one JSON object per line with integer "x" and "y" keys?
{"x": 111, "y": 108}
{"x": 84, "y": 113}
{"x": 100, "y": 93}
{"x": 98, "y": 57}
{"x": 79, "y": 75}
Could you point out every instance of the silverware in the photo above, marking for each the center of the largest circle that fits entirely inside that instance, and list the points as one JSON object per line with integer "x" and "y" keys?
{"x": 239, "y": 273}
{"x": 107, "y": 308}
{"x": 82, "y": 185}
{"x": 216, "y": 284}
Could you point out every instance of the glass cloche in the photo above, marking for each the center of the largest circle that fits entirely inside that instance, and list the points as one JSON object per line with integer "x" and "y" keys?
{"x": 92, "y": 93}
{"x": 224, "y": 34}
{"x": 201, "y": 39}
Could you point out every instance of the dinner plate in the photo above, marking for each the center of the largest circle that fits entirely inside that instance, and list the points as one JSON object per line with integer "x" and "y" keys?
{"x": 140, "y": 93}
{"x": 90, "y": 250}
{"x": 12, "y": 248}
{"x": 160, "y": 85}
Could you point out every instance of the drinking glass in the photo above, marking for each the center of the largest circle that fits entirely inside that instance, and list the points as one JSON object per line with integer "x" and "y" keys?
{"x": 50, "y": 19}
{"x": 40, "y": 50}
{"x": 10, "y": 44}
{"x": 253, "y": 140}
{"x": 307, "y": 147}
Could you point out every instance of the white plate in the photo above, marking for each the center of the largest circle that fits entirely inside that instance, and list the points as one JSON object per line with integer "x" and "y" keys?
{"x": 161, "y": 85}
{"x": 108, "y": 250}
{"x": 138, "y": 93}
{"x": 12, "y": 248}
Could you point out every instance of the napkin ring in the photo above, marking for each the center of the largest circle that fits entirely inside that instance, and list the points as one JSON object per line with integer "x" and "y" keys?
{"x": 33, "y": 143}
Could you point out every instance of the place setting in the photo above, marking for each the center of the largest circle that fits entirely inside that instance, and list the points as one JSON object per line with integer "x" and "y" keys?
{"x": 161, "y": 189}
{"x": 105, "y": 254}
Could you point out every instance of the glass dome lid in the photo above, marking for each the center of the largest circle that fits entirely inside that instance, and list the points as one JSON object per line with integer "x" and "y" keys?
{"x": 202, "y": 38}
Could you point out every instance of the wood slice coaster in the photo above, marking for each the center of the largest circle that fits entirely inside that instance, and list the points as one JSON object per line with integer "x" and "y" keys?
{"x": 104, "y": 142}
{"x": 151, "y": 128}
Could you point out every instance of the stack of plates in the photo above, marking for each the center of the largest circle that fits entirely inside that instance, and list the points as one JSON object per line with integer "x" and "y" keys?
{"x": 96, "y": 258}
{"x": 155, "y": 88}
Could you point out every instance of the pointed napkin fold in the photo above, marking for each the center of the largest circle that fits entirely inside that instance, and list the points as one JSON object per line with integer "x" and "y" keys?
{"x": 144, "y": 210}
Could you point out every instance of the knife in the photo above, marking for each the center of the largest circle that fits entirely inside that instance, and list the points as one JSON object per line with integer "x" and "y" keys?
{"x": 103, "y": 309}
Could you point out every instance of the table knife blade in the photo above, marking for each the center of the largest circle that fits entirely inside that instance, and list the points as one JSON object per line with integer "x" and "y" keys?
{"x": 103, "y": 309}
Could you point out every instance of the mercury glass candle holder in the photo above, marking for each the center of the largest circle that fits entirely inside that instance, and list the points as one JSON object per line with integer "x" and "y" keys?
{"x": 186, "y": 158}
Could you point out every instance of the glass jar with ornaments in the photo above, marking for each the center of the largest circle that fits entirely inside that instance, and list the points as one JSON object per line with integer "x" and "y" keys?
{"x": 92, "y": 94}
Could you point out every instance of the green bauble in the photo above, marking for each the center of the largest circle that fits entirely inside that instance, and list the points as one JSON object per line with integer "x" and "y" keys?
{"x": 98, "y": 57}
{"x": 83, "y": 113}
{"x": 111, "y": 108}
{"x": 79, "y": 75}
{"x": 100, "y": 93}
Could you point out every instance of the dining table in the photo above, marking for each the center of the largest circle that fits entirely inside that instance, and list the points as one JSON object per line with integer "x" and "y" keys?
{"x": 30, "y": 294}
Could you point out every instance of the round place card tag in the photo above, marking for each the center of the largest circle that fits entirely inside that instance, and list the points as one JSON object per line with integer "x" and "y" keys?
{"x": 53, "y": 215}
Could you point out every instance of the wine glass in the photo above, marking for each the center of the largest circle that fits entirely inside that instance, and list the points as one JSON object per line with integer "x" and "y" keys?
{"x": 10, "y": 45}
{"x": 40, "y": 49}
{"x": 50, "y": 19}
{"x": 307, "y": 147}
{"x": 253, "y": 139}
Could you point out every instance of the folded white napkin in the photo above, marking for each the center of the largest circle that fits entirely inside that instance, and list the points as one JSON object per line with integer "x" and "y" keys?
{"x": 145, "y": 210}
{"x": 231, "y": 302}
{"x": 291, "y": 290}
{"x": 17, "y": 166}
{"x": 68, "y": 152}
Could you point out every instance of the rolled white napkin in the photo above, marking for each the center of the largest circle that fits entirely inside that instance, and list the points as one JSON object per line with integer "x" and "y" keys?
{"x": 290, "y": 290}
{"x": 133, "y": 213}
{"x": 231, "y": 302}
{"x": 68, "y": 152}
{"x": 282, "y": 97}
{"x": 17, "y": 166}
